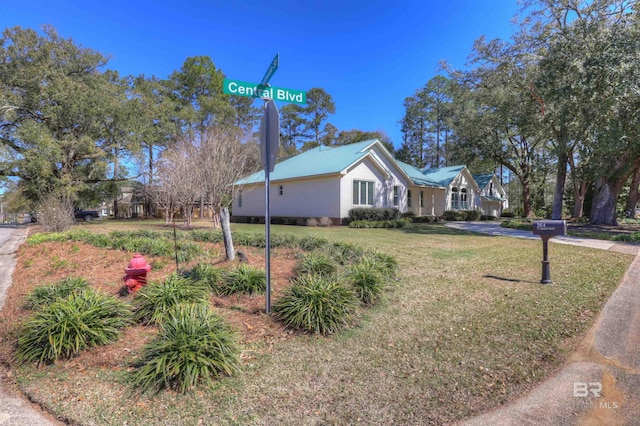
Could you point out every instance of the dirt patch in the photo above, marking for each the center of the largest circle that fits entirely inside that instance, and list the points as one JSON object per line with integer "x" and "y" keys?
{"x": 47, "y": 263}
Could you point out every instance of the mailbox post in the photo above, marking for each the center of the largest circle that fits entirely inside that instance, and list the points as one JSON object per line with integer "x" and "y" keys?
{"x": 548, "y": 229}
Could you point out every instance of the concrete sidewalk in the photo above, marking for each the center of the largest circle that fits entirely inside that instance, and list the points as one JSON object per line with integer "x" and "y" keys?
{"x": 599, "y": 383}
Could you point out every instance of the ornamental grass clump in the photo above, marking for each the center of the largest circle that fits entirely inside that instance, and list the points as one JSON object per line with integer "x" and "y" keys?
{"x": 385, "y": 264}
{"x": 208, "y": 275}
{"x": 154, "y": 301}
{"x": 69, "y": 325}
{"x": 316, "y": 263}
{"x": 366, "y": 280}
{"x": 47, "y": 294}
{"x": 245, "y": 279}
{"x": 317, "y": 304}
{"x": 193, "y": 347}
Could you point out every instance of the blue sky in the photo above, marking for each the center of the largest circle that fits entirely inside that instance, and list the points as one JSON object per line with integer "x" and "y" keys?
{"x": 369, "y": 55}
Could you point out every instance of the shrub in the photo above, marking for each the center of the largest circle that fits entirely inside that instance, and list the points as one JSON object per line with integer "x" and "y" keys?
{"x": 408, "y": 214}
{"x": 46, "y": 295}
{"x": 207, "y": 275}
{"x": 455, "y": 215}
{"x": 154, "y": 301}
{"x": 398, "y": 223}
{"x": 55, "y": 212}
{"x": 65, "y": 327}
{"x": 383, "y": 263}
{"x": 193, "y": 346}
{"x": 206, "y": 236}
{"x": 423, "y": 219}
{"x": 244, "y": 279}
{"x": 312, "y": 221}
{"x": 488, "y": 217}
{"x": 325, "y": 221}
{"x": 366, "y": 281}
{"x": 317, "y": 305}
{"x": 507, "y": 213}
{"x": 311, "y": 242}
{"x": 316, "y": 263}
{"x": 473, "y": 215}
{"x": 374, "y": 214}
{"x": 345, "y": 253}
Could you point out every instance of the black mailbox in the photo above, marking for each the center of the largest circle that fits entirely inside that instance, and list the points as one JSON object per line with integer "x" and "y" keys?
{"x": 550, "y": 228}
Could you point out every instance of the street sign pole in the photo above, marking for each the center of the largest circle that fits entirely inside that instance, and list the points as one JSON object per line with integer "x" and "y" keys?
{"x": 269, "y": 144}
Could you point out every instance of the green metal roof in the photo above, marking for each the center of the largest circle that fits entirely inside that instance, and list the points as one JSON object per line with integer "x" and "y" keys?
{"x": 483, "y": 180}
{"x": 443, "y": 176}
{"x": 321, "y": 160}
{"x": 416, "y": 175}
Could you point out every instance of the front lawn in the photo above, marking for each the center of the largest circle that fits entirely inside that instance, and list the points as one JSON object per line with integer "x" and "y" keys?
{"x": 466, "y": 327}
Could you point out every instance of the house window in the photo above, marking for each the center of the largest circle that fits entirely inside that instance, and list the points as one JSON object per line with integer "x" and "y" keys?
{"x": 491, "y": 188}
{"x": 455, "y": 199}
{"x": 396, "y": 195}
{"x": 421, "y": 198}
{"x": 362, "y": 193}
{"x": 280, "y": 190}
{"x": 408, "y": 198}
{"x": 463, "y": 199}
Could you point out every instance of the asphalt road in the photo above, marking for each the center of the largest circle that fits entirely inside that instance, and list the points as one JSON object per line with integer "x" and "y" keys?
{"x": 14, "y": 410}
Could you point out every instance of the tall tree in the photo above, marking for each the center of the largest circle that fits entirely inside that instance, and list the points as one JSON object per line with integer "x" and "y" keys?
{"x": 319, "y": 106}
{"x": 52, "y": 113}
{"x": 292, "y": 129}
{"x": 425, "y": 125}
{"x": 197, "y": 87}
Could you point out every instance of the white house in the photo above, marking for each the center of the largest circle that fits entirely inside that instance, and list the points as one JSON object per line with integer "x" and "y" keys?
{"x": 330, "y": 181}
{"x": 492, "y": 194}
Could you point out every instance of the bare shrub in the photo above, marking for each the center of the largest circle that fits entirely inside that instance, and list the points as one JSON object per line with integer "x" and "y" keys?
{"x": 54, "y": 213}
{"x": 312, "y": 221}
{"x": 325, "y": 221}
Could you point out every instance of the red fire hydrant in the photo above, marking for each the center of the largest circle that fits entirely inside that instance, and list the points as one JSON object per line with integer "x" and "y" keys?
{"x": 136, "y": 273}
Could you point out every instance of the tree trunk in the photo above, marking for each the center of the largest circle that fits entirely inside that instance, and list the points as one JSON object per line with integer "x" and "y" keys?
{"x": 526, "y": 199}
{"x": 632, "y": 200}
{"x": 579, "y": 193}
{"x": 603, "y": 207}
{"x": 561, "y": 178}
{"x": 226, "y": 233}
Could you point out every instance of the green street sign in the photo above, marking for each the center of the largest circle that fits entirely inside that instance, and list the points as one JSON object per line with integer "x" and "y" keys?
{"x": 271, "y": 70}
{"x": 252, "y": 90}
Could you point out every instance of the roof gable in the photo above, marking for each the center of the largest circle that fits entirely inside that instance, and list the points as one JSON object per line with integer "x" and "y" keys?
{"x": 443, "y": 176}
{"x": 416, "y": 175}
{"x": 483, "y": 180}
{"x": 318, "y": 161}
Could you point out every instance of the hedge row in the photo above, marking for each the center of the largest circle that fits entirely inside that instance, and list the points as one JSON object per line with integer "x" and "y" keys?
{"x": 373, "y": 214}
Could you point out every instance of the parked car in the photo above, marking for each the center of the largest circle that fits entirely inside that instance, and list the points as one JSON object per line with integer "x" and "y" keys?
{"x": 86, "y": 215}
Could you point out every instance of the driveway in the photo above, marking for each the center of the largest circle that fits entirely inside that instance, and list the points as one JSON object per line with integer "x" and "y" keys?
{"x": 494, "y": 228}
{"x": 14, "y": 410}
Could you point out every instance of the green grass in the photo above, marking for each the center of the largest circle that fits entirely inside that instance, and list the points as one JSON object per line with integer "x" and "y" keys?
{"x": 459, "y": 334}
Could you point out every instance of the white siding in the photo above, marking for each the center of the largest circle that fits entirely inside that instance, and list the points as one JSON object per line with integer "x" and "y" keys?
{"x": 369, "y": 170}
{"x": 300, "y": 198}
